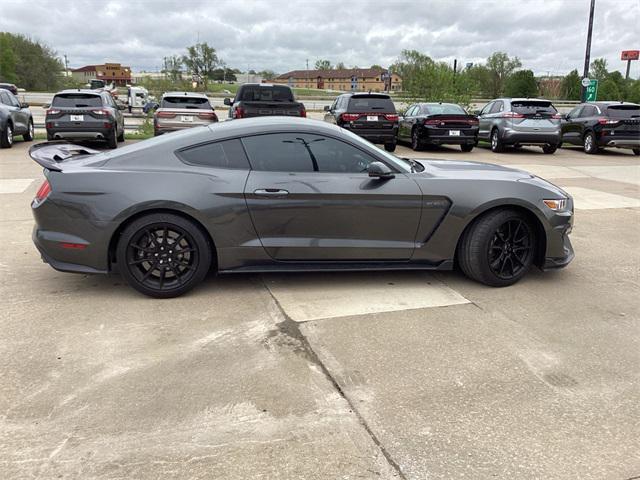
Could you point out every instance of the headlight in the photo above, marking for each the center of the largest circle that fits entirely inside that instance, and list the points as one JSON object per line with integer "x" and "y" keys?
{"x": 557, "y": 204}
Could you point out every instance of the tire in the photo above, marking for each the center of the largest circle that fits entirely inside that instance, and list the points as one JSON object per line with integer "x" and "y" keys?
{"x": 121, "y": 136}
{"x": 496, "y": 143}
{"x": 28, "y": 137}
{"x": 636, "y": 151}
{"x": 141, "y": 248}
{"x": 49, "y": 137}
{"x": 466, "y": 148}
{"x": 416, "y": 144}
{"x": 390, "y": 147}
{"x": 549, "y": 149}
{"x": 112, "y": 141}
{"x": 589, "y": 144}
{"x": 492, "y": 254}
{"x": 6, "y": 139}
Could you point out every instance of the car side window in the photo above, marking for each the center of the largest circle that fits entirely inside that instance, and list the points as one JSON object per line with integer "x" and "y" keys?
{"x": 3, "y": 100}
{"x": 12, "y": 100}
{"x": 410, "y": 110}
{"x": 225, "y": 154}
{"x": 575, "y": 113}
{"x": 487, "y": 108}
{"x": 588, "y": 111}
{"x": 497, "y": 107}
{"x": 334, "y": 156}
{"x": 278, "y": 152}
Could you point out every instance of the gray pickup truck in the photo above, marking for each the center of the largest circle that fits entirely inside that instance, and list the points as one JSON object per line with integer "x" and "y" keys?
{"x": 263, "y": 100}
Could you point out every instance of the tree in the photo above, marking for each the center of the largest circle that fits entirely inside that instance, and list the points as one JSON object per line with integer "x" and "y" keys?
{"x": 340, "y": 66}
{"x": 323, "y": 65}
{"x": 172, "y": 67}
{"x": 521, "y": 84}
{"x": 30, "y": 64}
{"x": 201, "y": 60}
{"x": 598, "y": 69}
{"x": 376, "y": 67}
{"x": 570, "y": 86}
{"x": 500, "y": 69}
{"x": 224, "y": 74}
{"x": 609, "y": 90}
{"x": 268, "y": 74}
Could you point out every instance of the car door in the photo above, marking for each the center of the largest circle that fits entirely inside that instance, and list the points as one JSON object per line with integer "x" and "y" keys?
{"x": 18, "y": 117}
{"x": 311, "y": 199}
{"x": 571, "y": 128}
{"x": 330, "y": 115}
{"x": 402, "y": 123}
{"x": 586, "y": 120}
{"x": 484, "y": 123}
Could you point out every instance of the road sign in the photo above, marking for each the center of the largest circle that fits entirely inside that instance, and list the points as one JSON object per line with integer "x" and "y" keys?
{"x": 586, "y": 82}
{"x": 592, "y": 91}
{"x": 630, "y": 55}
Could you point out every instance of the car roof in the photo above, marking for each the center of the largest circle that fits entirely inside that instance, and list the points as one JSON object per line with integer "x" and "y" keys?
{"x": 80, "y": 90}
{"x": 608, "y": 104}
{"x": 523, "y": 99}
{"x": 263, "y": 85}
{"x": 437, "y": 103}
{"x": 366, "y": 94}
{"x": 184, "y": 94}
{"x": 246, "y": 126}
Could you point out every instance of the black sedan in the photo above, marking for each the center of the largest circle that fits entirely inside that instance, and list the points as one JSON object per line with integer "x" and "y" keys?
{"x": 438, "y": 124}
{"x": 15, "y": 119}
{"x": 286, "y": 194}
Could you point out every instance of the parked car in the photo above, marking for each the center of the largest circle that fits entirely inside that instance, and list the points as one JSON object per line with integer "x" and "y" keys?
{"x": 288, "y": 194}
{"x": 9, "y": 86}
{"x": 603, "y": 124}
{"x": 180, "y": 110}
{"x": 372, "y": 116}
{"x": 15, "y": 119}
{"x": 83, "y": 114}
{"x": 438, "y": 124}
{"x": 516, "y": 122}
{"x": 263, "y": 100}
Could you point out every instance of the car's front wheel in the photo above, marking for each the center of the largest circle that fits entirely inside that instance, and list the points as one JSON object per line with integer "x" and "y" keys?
{"x": 121, "y": 136}
{"x": 163, "y": 255}
{"x": 390, "y": 147}
{"x": 28, "y": 137}
{"x": 6, "y": 139}
{"x": 636, "y": 151}
{"x": 498, "y": 248}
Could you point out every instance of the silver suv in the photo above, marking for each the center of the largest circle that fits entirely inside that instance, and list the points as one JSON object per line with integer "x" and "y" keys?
{"x": 520, "y": 121}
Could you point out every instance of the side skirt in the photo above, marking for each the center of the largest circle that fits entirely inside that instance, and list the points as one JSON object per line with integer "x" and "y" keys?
{"x": 341, "y": 267}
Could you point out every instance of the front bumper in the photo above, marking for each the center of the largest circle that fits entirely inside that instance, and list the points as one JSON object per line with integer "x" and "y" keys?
{"x": 512, "y": 137}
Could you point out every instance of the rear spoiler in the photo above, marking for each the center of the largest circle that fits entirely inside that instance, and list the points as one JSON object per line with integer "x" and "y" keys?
{"x": 49, "y": 154}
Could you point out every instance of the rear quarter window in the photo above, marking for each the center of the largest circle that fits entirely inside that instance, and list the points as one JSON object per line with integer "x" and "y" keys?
{"x": 624, "y": 111}
{"x": 371, "y": 104}
{"x": 76, "y": 100}
{"x": 225, "y": 154}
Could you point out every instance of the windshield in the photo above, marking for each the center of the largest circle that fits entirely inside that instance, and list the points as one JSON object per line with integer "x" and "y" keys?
{"x": 186, "y": 102}
{"x": 266, "y": 94}
{"x": 444, "y": 109}
{"x": 371, "y": 104}
{"x": 76, "y": 100}
{"x": 624, "y": 111}
{"x": 532, "y": 107}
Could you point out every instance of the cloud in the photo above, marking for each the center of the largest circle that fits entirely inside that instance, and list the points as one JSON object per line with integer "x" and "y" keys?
{"x": 547, "y": 35}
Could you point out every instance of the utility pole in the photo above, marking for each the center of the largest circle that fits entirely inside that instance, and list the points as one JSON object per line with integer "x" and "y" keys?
{"x": 66, "y": 67}
{"x": 307, "y": 85}
{"x": 587, "y": 53}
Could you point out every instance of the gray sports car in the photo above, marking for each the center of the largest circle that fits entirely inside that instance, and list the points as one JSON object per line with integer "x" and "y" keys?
{"x": 288, "y": 194}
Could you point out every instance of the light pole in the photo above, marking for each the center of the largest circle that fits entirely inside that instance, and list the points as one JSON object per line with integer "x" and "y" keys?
{"x": 587, "y": 53}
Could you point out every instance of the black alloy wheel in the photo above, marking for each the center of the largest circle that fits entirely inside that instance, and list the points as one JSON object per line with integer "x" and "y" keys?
{"x": 510, "y": 249}
{"x": 163, "y": 255}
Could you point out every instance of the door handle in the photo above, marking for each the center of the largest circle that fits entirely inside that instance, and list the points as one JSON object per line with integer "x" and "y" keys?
{"x": 271, "y": 192}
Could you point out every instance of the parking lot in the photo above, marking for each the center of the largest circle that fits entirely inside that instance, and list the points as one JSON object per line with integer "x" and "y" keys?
{"x": 385, "y": 375}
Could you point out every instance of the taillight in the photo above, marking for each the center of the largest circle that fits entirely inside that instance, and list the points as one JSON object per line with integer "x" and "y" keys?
{"x": 239, "y": 112}
{"x": 432, "y": 121}
{"x": 512, "y": 115}
{"x": 473, "y": 121}
{"x": 43, "y": 192}
{"x": 391, "y": 117}
{"x": 207, "y": 115}
{"x": 165, "y": 115}
{"x": 53, "y": 111}
{"x": 100, "y": 111}
{"x": 557, "y": 116}
{"x": 349, "y": 117}
{"x": 303, "y": 112}
{"x": 606, "y": 121}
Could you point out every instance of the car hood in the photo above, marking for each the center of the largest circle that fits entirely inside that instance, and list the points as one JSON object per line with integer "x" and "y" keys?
{"x": 472, "y": 170}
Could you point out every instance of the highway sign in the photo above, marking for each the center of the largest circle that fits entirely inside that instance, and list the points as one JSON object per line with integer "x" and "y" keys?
{"x": 592, "y": 91}
{"x": 586, "y": 82}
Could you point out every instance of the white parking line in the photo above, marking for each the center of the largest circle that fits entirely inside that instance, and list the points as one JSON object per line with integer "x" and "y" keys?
{"x": 619, "y": 173}
{"x": 588, "y": 199}
{"x": 15, "y": 185}
{"x": 315, "y": 296}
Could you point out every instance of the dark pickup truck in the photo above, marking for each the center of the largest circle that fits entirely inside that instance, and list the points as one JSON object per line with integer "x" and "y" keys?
{"x": 262, "y": 100}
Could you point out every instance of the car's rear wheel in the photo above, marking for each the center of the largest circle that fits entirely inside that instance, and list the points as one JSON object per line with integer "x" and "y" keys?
{"x": 112, "y": 140}
{"x": 6, "y": 139}
{"x": 467, "y": 147}
{"x": 28, "y": 137}
{"x": 590, "y": 144}
{"x": 496, "y": 143}
{"x": 549, "y": 149}
{"x": 416, "y": 144}
{"x": 498, "y": 248}
{"x": 163, "y": 255}
{"x": 390, "y": 147}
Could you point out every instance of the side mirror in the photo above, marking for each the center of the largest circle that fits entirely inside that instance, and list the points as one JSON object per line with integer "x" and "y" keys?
{"x": 380, "y": 170}
{"x": 327, "y": 108}
{"x": 227, "y": 101}
{"x": 566, "y": 117}
{"x": 24, "y": 105}
{"x": 476, "y": 113}
{"x": 46, "y": 105}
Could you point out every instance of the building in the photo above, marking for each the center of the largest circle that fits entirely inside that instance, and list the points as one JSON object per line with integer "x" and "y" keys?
{"x": 346, "y": 80}
{"x": 109, "y": 72}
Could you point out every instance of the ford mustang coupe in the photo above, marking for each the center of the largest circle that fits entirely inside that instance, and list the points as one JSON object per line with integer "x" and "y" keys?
{"x": 288, "y": 194}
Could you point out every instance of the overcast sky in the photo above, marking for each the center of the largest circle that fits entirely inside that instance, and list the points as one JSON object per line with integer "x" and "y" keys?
{"x": 548, "y": 36}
